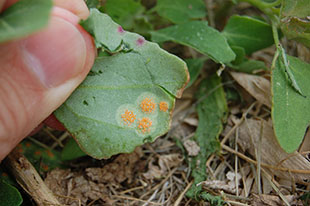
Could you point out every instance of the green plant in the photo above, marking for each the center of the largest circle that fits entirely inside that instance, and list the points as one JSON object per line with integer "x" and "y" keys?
{"x": 128, "y": 97}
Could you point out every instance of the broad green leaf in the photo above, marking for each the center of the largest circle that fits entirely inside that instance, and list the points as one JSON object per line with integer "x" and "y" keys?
{"x": 249, "y": 33}
{"x": 198, "y": 35}
{"x": 290, "y": 110}
{"x": 194, "y": 68}
{"x": 180, "y": 11}
{"x": 128, "y": 97}
{"x": 212, "y": 113}
{"x": 124, "y": 12}
{"x": 24, "y": 18}
{"x": 71, "y": 151}
{"x": 297, "y": 29}
{"x": 9, "y": 195}
{"x": 296, "y": 8}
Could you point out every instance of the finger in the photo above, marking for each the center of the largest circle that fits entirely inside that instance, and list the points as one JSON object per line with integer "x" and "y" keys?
{"x": 38, "y": 74}
{"x": 77, "y": 7}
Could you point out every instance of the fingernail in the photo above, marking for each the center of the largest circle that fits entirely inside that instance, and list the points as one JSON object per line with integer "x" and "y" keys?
{"x": 56, "y": 54}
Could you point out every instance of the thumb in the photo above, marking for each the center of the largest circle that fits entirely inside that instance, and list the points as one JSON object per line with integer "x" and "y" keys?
{"x": 38, "y": 73}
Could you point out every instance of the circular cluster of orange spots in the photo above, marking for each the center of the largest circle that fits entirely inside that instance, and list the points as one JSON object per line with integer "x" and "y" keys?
{"x": 144, "y": 125}
{"x": 148, "y": 105}
{"x": 128, "y": 117}
{"x": 163, "y": 106}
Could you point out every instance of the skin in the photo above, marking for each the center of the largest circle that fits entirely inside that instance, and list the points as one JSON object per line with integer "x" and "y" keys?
{"x": 39, "y": 72}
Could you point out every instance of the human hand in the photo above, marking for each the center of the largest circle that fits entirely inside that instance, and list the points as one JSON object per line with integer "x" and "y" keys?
{"x": 39, "y": 72}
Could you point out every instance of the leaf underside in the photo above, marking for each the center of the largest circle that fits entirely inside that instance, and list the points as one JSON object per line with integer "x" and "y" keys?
{"x": 128, "y": 97}
{"x": 290, "y": 110}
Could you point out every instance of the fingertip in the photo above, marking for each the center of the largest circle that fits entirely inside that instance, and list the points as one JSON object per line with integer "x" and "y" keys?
{"x": 77, "y": 7}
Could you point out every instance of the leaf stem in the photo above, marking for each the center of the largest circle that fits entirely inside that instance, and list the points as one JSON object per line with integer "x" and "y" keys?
{"x": 277, "y": 43}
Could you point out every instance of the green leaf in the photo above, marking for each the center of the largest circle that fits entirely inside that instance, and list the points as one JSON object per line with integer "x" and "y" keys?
{"x": 290, "y": 110}
{"x": 293, "y": 8}
{"x": 180, "y": 11}
{"x": 249, "y": 66}
{"x": 92, "y": 3}
{"x": 9, "y": 195}
{"x": 71, "y": 151}
{"x": 198, "y": 35}
{"x": 297, "y": 29}
{"x": 249, "y": 33}
{"x": 124, "y": 12}
{"x": 194, "y": 68}
{"x": 212, "y": 113}
{"x": 24, "y": 18}
{"x": 128, "y": 97}
{"x": 240, "y": 54}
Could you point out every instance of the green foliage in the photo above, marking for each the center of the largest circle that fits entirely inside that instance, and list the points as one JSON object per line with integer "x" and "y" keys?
{"x": 293, "y": 8}
{"x": 194, "y": 68}
{"x": 24, "y": 18}
{"x": 249, "y": 66}
{"x": 293, "y": 24}
{"x": 297, "y": 29}
{"x": 128, "y": 97}
{"x": 92, "y": 3}
{"x": 43, "y": 159}
{"x": 212, "y": 113}
{"x": 9, "y": 195}
{"x": 181, "y": 11}
{"x": 125, "y": 12}
{"x": 200, "y": 36}
{"x": 248, "y": 33}
{"x": 71, "y": 151}
{"x": 291, "y": 111}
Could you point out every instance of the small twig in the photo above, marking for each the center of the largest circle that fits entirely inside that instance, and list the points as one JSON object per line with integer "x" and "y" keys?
{"x": 227, "y": 136}
{"x": 151, "y": 198}
{"x": 132, "y": 189}
{"x": 236, "y": 163}
{"x": 53, "y": 137}
{"x": 178, "y": 201}
{"x": 60, "y": 139}
{"x": 267, "y": 176}
{"x": 259, "y": 157}
{"x": 237, "y": 203}
{"x": 135, "y": 199}
{"x": 263, "y": 164}
{"x": 29, "y": 179}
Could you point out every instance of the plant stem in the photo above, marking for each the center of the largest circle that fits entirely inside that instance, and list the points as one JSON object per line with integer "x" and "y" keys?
{"x": 276, "y": 41}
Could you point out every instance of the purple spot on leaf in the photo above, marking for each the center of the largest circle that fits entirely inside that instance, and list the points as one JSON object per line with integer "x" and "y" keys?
{"x": 140, "y": 41}
{"x": 120, "y": 29}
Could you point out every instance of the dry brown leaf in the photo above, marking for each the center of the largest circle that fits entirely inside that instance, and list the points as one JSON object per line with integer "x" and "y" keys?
{"x": 272, "y": 200}
{"x": 89, "y": 185}
{"x": 166, "y": 163}
{"x": 305, "y": 145}
{"x": 191, "y": 147}
{"x": 72, "y": 187}
{"x": 271, "y": 152}
{"x": 121, "y": 169}
{"x": 257, "y": 86}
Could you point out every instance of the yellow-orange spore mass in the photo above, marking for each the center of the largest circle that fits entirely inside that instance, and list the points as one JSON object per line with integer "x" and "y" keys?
{"x": 163, "y": 106}
{"x": 148, "y": 105}
{"x": 144, "y": 125}
{"x": 128, "y": 117}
